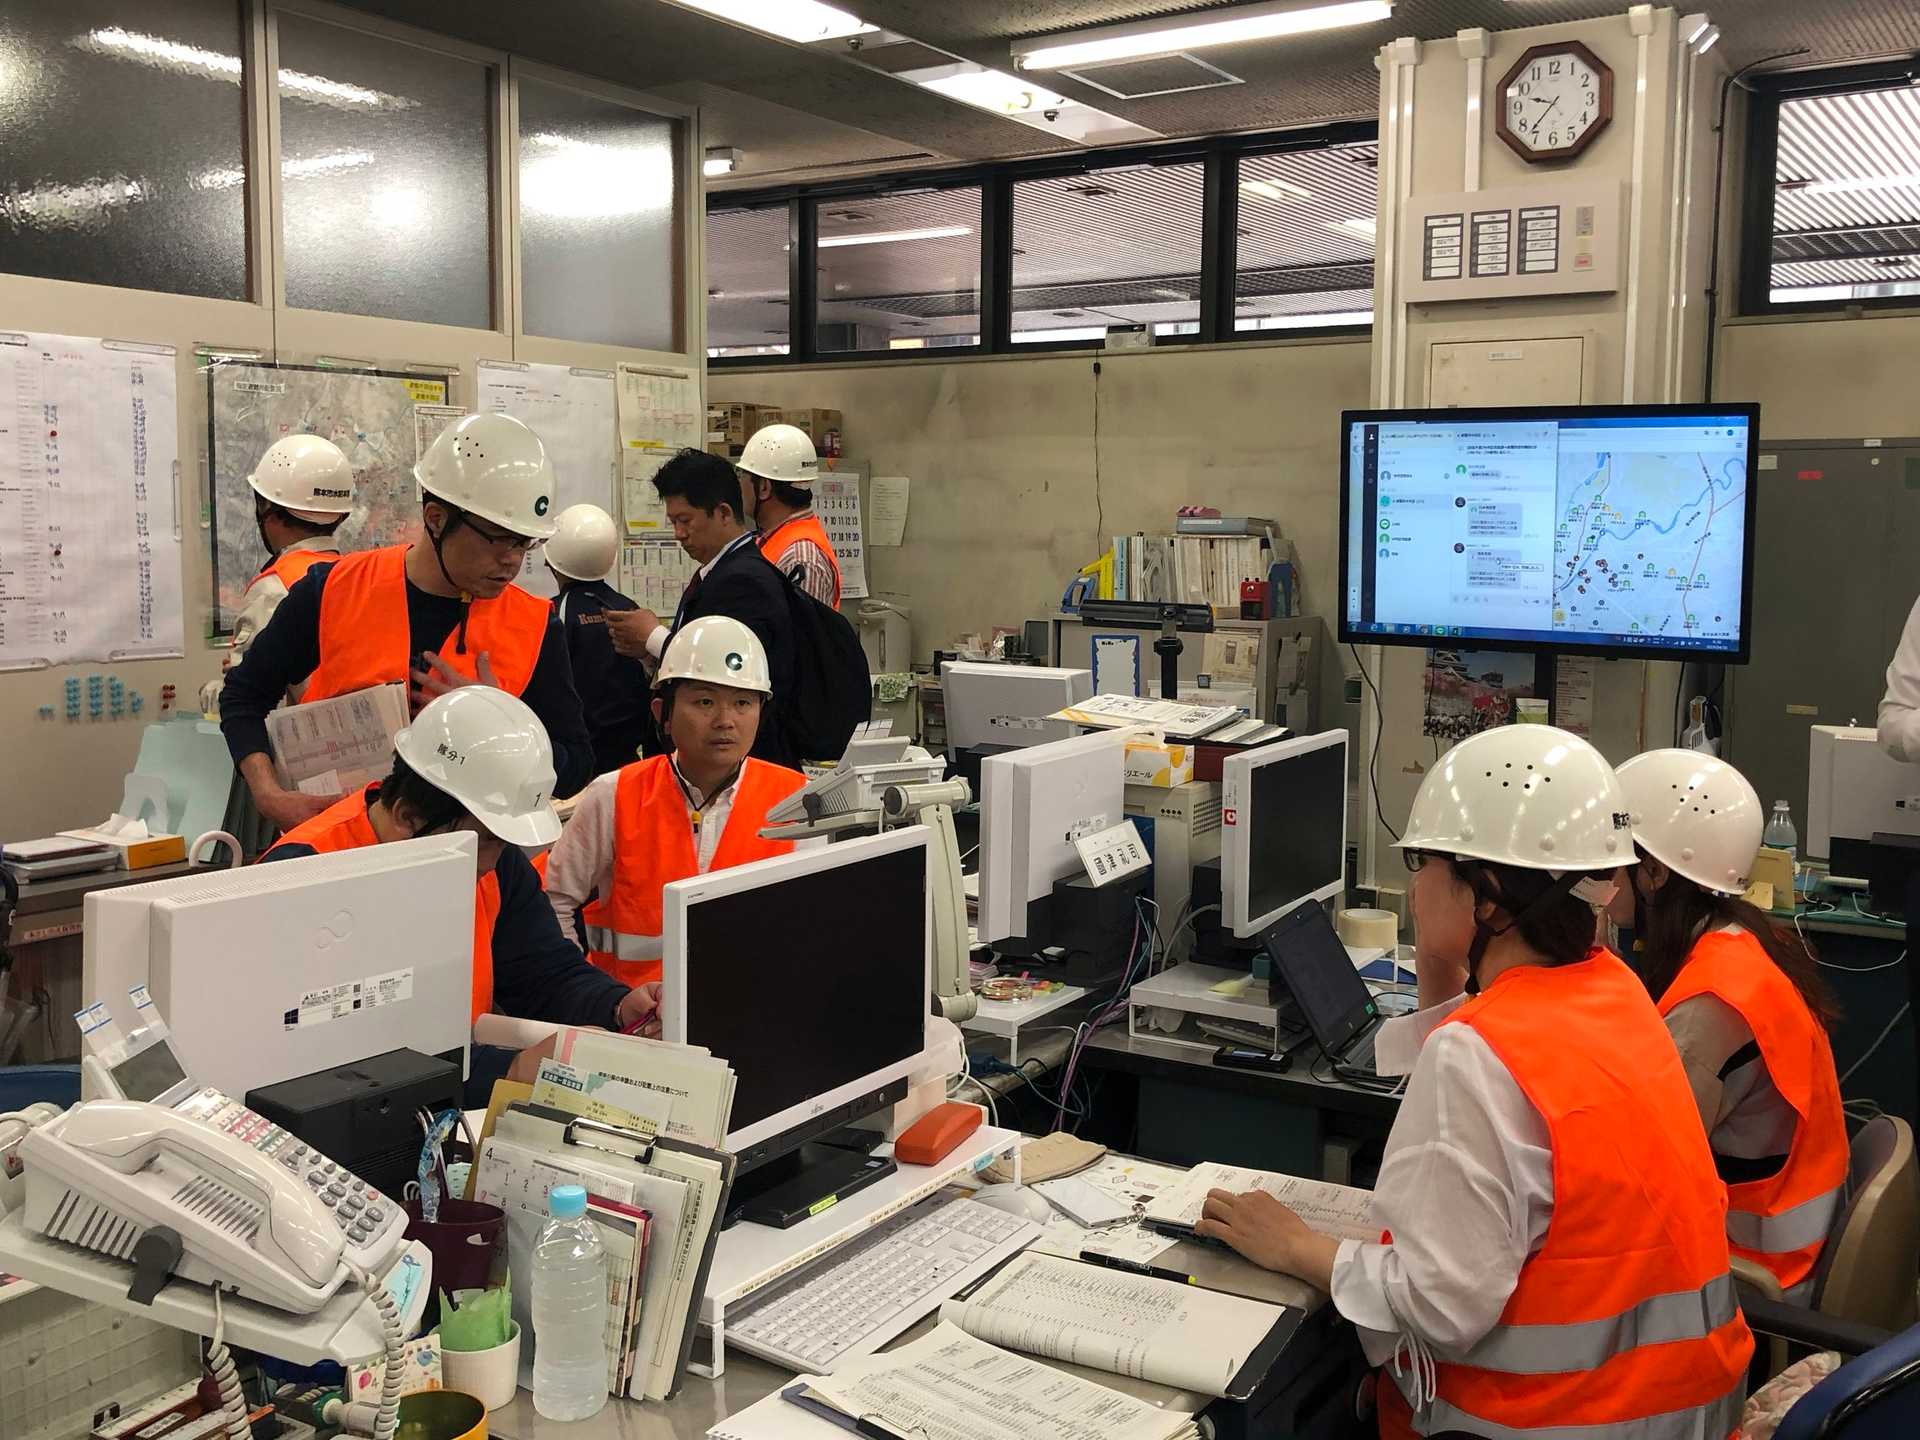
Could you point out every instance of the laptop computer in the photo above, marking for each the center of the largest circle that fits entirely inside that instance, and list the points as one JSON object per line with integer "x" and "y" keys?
{"x": 1310, "y": 960}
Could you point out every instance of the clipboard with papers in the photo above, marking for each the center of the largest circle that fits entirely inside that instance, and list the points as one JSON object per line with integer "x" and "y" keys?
{"x": 684, "y": 1188}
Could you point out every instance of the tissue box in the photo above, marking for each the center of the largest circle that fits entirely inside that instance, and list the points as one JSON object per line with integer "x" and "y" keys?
{"x": 1159, "y": 765}
{"x": 140, "y": 853}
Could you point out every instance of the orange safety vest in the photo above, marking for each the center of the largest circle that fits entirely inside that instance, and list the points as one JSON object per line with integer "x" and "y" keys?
{"x": 345, "y": 826}
{"x": 1624, "y": 1323}
{"x": 789, "y": 533}
{"x": 364, "y": 639}
{"x": 653, "y": 845}
{"x": 1780, "y": 1222}
{"x": 289, "y": 565}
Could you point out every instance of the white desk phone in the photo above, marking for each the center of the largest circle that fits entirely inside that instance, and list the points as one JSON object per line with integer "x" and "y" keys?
{"x": 256, "y": 1210}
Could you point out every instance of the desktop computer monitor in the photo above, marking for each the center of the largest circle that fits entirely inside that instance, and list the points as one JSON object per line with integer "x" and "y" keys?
{"x": 811, "y": 974}
{"x": 1034, "y": 804}
{"x": 271, "y": 972}
{"x": 1005, "y": 706}
{"x": 1623, "y": 530}
{"x": 1283, "y": 816}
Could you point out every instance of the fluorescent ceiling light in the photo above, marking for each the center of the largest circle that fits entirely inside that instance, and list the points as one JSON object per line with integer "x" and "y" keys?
{"x": 577, "y": 179}
{"x": 1709, "y": 38}
{"x": 1694, "y": 26}
{"x": 1236, "y": 26}
{"x": 1278, "y": 191}
{"x": 801, "y": 21}
{"x": 1864, "y": 184}
{"x": 1361, "y": 226}
{"x": 720, "y": 161}
{"x": 229, "y": 178}
{"x": 890, "y": 237}
{"x": 993, "y": 90}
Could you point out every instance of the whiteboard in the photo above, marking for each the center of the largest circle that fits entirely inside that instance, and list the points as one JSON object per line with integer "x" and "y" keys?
{"x": 572, "y": 411}
{"x": 374, "y": 416}
{"x": 89, "y": 510}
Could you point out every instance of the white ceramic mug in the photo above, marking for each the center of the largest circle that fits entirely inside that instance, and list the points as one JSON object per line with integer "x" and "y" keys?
{"x": 490, "y": 1376}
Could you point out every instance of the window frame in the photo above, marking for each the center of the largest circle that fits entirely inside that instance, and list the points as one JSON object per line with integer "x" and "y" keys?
{"x": 1219, "y": 156}
{"x": 1758, "y": 207}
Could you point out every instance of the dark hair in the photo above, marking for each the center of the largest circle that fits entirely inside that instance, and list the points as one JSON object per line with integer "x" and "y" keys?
{"x": 791, "y": 496}
{"x": 1561, "y": 929}
{"x": 1681, "y": 911}
{"x": 430, "y": 805}
{"x": 704, "y": 481}
{"x": 306, "y": 527}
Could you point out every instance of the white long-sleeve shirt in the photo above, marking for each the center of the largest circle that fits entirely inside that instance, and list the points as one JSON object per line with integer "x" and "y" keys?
{"x": 262, "y": 599}
{"x": 1900, "y": 706}
{"x": 580, "y": 865}
{"x": 1465, "y": 1187}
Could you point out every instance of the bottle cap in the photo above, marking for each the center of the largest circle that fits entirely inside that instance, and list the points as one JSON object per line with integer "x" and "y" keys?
{"x": 567, "y": 1202}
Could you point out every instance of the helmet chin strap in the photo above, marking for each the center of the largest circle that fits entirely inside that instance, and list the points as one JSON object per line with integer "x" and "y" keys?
{"x": 1485, "y": 933}
{"x": 455, "y": 516}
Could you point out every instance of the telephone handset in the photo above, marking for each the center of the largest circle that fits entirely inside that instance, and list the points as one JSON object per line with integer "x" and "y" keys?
{"x": 256, "y": 1210}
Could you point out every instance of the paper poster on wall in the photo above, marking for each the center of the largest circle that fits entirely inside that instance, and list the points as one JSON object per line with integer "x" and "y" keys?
{"x": 89, "y": 515}
{"x": 660, "y": 408}
{"x": 372, "y": 415}
{"x": 1573, "y": 679}
{"x": 429, "y": 421}
{"x": 1468, "y": 691}
{"x": 645, "y": 511}
{"x": 572, "y": 411}
{"x": 836, "y": 502}
{"x": 887, "y": 517}
{"x": 653, "y": 573}
{"x": 1116, "y": 664}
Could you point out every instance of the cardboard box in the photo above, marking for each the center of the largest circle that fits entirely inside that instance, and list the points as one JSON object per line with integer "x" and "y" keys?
{"x": 823, "y": 427}
{"x": 1159, "y": 765}
{"x": 731, "y": 425}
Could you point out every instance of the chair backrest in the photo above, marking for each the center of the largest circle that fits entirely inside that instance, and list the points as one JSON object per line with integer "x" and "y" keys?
{"x": 1875, "y": 1396}
{"x": 1871, "y": 1263}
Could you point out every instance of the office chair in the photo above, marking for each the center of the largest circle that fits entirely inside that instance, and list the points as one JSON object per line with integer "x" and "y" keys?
{"x": 1871, "y": 1262}
{"x": 1875, "y": 1396}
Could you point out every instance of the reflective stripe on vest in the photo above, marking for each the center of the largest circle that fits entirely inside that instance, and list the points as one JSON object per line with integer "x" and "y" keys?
{"x": 289, "y": 565}
{"x": 791, "y": 532}
{"x": 1780, "y": 1222}
{"x": 344, "y": 825}
{"x": 1624, "y": 1321}
{"x": 364, "y": 638}
{"x": 654, "y": 845}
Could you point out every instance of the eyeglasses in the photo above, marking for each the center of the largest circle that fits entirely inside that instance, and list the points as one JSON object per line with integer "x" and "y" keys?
{"x": 504, "y": 542}
{"x": 1414, "y": 859}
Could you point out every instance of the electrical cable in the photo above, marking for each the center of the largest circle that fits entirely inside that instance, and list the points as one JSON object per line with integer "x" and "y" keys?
{"x": 1379, "y": 728}
{"x": 1879, "y": 1040}
{"x": 394, "y": 1333}
{"x": 220, "y": 1365}
{"x": 1860, "y": 969}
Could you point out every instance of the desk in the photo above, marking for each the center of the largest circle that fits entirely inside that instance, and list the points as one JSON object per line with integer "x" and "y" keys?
{"x": 47, "y": 949}
{"x": 1186, "y": 1109}
{"x": 702, "y": 1404}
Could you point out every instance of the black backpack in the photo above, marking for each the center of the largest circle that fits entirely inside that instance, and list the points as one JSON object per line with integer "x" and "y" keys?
{"x": 832, "y": 689}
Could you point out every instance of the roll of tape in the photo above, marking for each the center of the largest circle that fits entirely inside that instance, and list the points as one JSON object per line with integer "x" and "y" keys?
{"x": 1369, "y": 929}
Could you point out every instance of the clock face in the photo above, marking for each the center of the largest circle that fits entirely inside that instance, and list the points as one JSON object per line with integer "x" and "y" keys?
{"x": 1554, "y": 102}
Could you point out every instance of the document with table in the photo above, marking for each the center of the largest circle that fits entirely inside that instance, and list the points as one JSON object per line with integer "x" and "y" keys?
{"x": 1127, "y": 1324}
{"x": 950, "y": 1386}
{"x": 335, "y": 746}
{"x": 1342, "y": 1211}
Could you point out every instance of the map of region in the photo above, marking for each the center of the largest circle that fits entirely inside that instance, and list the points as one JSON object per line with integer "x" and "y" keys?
{"x": 1649, "y": 543}
{"x": 373, "y": 418}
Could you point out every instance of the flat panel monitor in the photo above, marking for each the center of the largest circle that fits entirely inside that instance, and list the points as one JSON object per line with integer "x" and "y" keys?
{"x": 1283, "y": 829}
{"x": 1006, "y": 705}
{"x": 1601, "y": 530}
{"x": 811, "y": 974}
{"x": 1034, "y": 804}
{"x": 270, "y": 972}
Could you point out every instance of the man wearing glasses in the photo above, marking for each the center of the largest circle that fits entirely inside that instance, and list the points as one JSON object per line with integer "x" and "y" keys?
{"x": 440, "y": 613}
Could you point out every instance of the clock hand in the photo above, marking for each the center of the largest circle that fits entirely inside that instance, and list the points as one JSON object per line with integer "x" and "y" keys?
{"x": 1543, "y": 118}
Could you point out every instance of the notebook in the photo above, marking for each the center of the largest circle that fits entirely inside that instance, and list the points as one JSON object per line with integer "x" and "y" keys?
{"x": 1342, "y": 1211}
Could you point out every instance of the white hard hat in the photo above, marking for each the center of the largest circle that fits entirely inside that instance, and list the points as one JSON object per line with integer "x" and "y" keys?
{"x": 1696, "y": 815}
{"x": 306, "y": 475}
{"x": 495, "y": 467}
{"x": 719, "y": 650}
{"x": 783, "y": 453}
{"x": 584, "y": 543}
{"x": 1530, "y": 796}
{"x": 488, "y": 750}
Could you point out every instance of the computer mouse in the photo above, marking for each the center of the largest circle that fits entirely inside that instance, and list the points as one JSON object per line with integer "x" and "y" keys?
{"x": 1017, "y": 1200}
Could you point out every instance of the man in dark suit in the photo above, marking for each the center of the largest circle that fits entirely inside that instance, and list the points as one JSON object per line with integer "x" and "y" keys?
{"x": 705, "y": 505}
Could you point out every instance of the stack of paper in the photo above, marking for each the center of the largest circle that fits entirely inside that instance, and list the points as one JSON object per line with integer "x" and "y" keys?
{"x": 697, "y": 1086}
{"x": 1173, "y": 718}
{"x": 331, "y": 747}
{"x": 951, "y": 1386}
{"x": 1341, "y": 1211}
{"x": 624, "y": 1233}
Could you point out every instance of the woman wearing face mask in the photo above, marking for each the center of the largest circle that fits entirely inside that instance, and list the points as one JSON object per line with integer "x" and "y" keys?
{"x": 1554, "y": 1256}
{"x": 1745, "y": 1004}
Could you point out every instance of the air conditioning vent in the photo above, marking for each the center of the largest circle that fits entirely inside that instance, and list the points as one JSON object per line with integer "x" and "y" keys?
{"x": 1155, "y": 75}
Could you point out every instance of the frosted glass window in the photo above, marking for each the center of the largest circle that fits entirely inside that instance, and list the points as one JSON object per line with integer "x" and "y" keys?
{"x": 386, "y": 172}
{"x": 599, "y": 235}
{"x": 122, "y": 144}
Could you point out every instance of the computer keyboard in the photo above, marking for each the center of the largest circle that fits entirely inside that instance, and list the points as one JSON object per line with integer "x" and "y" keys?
{"x": 851, "y": 1302}
{"x": 1236, "y": 1032}
{"x": 1359, "y": 1054}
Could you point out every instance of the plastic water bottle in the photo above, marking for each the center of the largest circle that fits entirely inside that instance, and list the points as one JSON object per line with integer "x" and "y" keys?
{"x": 569, "y": 1311}
{"x": 1780, "y": 834}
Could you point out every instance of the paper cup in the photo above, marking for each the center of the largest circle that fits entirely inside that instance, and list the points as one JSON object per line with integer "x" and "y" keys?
{"x": 489, "y": 1375}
